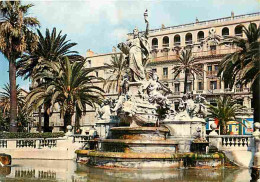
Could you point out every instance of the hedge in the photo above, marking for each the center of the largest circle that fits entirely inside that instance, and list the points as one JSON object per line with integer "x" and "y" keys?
{"x": 7, "y": 135}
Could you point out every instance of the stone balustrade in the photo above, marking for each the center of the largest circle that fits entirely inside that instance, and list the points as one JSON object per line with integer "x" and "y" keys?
{"x": 230, "y": 142}
{"x": 44, "y": 148}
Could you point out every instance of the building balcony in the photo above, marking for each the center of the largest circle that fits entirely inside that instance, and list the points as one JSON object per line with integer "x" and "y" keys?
{"x": 200, "y": 39}
{"x": 154, "y": 46}
{"x": 211, "y": 73}
{"x": 177, "y": 43}
{"x": 189, "y": 42}
{"x": 165, "y": 77}
{"x": 199, "y": 54}
{"x": 166, "y": 45}
{"x": 239, "y": 35}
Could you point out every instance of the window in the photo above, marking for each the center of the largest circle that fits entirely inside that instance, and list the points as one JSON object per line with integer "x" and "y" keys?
{"x": 96, "y": 73}
{"x": 213, "y": 85}
{"x": 89, "y": 63}
{"x": 165, "y": 41}
{"x": 177, "y": 87}
{"x": 240, "y": 101}
{"x": 154, "y": 70}
{"x": 216, "y": 67}
{"x": 238, "y": 31}
{"x": 188, "y": 88}
{"x": 200, "y": 86}
{"x": 176, "y": 106}
{"x": 200, "y": 36}
{"x": 177, "y": 40}
{"x": 165, "y": 72}
{"x": 213, "y": 47}
{"x": 188, "y": 38}
{"x": 209, "y": 68}
{"x": 154, "y": 43}
{"x": 225, "y": 32}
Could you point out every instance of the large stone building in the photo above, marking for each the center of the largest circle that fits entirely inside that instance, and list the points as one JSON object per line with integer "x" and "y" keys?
{"x": 203, "y": 37}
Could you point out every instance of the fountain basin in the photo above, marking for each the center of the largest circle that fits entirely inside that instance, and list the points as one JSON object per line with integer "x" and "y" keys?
{"x": 149, "y": 160}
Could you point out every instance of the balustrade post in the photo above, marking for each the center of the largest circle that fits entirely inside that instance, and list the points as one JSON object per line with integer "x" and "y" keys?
{"x": 11, "y": 144}
{"x": 37, "y": 143}
{"x": 214, "y": 141}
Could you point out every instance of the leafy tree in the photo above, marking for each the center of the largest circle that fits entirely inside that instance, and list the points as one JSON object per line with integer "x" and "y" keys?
{"x": 16, "y": 37}
{"x": 243, "y": 65}
{"x": 188, "y": 65}
{"x": 69, "y": 85}
{"x": 225, "y": 111}
{"x": 117, "y": 68}
{"x": 52, "y": 47}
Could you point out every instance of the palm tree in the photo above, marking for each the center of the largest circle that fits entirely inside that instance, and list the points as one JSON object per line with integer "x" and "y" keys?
{"x": 69, "y": 85}
{"x": 16, "y": 37}
{"x": 52, "y": 47}
{"x": 5, "y": 103}
{"x": 225, "y": 111}
{"x": 188, "y": 65}
{"x": 117, "y": 68}
{"x": 243, "y": 65}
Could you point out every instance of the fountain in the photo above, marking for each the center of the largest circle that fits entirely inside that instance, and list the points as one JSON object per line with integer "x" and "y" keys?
{"x": 156, "y": 135}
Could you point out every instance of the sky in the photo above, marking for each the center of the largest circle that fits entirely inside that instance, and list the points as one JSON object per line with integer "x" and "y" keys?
{"x": 101, "y": 24}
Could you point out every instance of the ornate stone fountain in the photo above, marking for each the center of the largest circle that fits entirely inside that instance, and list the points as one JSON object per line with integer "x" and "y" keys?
{"x": 156, "y": 132}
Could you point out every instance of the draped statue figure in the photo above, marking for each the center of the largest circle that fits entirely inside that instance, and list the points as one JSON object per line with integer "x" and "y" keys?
{"x": 137, "y": 51}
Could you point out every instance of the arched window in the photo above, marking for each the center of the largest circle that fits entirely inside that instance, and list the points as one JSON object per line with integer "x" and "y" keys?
{"x": 165, "y": 41}
{"x": 225, "y": 32}
{"x": 154, "y": 43}
{"x": 238, "y": 31}
{"x": 188, "y": 38}
{"x": 177, "y": 40}
{"x": 200, "y": 36}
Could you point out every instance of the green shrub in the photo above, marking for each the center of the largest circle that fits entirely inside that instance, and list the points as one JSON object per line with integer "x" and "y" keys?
{"x": 7, "y": 135}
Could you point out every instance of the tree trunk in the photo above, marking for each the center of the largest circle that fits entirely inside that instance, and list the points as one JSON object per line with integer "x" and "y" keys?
{"x": 185, "y": 81}
{"x": 77, "y": 120}
{"x": 256, "y": 99}
{"x": 13, "y": 96}
{"x": 40, "y": 119}
{"x": 67, "y": 120}
{"x": 46, "y": 127}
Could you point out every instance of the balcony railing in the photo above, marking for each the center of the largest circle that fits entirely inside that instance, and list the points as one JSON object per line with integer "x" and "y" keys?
{"x": 207, "y": 22}
{"x": 239, "y": 35}
{"x": 198, "y": 54}
{"x": 165, "y": 77}
{"x": 154, "y": 46}
{"x": 166, "y": 45}
{"x": 211, "y": 73}
{"x": 200, "y": 39}
{"x": 189, "y": 42}
{"x": 177, "y": 43}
